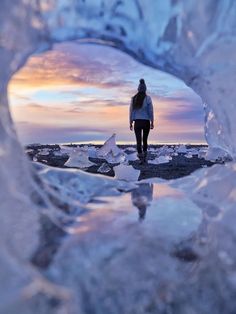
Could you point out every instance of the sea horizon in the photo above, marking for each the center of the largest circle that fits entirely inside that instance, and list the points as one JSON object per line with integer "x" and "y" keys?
{"x": 118, "y": 143}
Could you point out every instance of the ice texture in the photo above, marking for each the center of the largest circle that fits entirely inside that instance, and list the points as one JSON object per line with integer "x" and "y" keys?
{"x": 126, "y": 173}
{"x": 195, "y": 41}
{"x": 80, "y": 186}
{"x": 111, "y": 152}
{"x": 79, "y": 158}
{"x": 104, "y": 168}
{"x": 43, "y": 152}
{"x": 109, "y": 147}
{"x": 161, "y": 160}
{"x": 182, "y": 149}
{"x": 131, "y": 157}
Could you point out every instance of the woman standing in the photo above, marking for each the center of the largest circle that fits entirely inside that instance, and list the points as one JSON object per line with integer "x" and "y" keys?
{"x": 141, "y": 113}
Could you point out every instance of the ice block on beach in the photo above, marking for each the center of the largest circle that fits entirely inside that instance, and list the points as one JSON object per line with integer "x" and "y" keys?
{"x": 126, "y": 173}
{"x": 79, "y": 158}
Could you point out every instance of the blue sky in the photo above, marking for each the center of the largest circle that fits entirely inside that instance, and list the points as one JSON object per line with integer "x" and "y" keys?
{"x": 81, "y": 93}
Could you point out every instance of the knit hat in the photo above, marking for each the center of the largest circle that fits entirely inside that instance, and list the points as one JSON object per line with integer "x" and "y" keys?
{"x": 142, "y": 86}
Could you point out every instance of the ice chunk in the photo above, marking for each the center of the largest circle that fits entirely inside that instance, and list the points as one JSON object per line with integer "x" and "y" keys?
{"x": 104, "y": 168}
{"x": 161, "y": 160}
{"x": 193, "y": 151}
{"x": 73, "y": 184}
{"x": 165, "y": 150}
{"x": 202, "y": 153}
{"x": 131, "y": 149}
{"x": 92, "y": 152}
{"x": 111, "y": 152}
{"x": 152, "y": 149}
{"x": 44, "y": 152}
{"x": 67, "y": 149}
{"x": 59, "y": 153}
{"x": 216, "y": 153}
{"x": 189, "y": 155}
{"x": 126, "y": 173}
{"x": 131, "y": 157}
{"x": 109, "y": 147}
{"x": 181, "y": 149}
{"x": 112, "y": 159}
{"x": 79, "y": 159}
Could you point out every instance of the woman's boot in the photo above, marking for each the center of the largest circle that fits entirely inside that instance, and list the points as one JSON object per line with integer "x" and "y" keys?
{"x": 141, "y": 159}
{"x": 145, "y": 157}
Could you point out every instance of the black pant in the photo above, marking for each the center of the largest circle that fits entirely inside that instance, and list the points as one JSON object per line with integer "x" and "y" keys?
{"x": 141, "y": 129}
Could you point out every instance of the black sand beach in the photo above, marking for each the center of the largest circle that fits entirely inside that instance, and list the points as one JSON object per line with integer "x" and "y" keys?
{"x": 179, "y": 166}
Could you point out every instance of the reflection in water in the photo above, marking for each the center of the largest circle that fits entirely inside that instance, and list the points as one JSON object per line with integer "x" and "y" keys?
{"x": 142, "y": 198}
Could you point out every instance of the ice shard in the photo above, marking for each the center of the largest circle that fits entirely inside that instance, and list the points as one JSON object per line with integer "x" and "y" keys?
{"x": 104, "y": 168}
{"x": 111, "y": 152}
{"x": 126, "y": 173}
{"x": 79, "y": 158}
{"x": 109, "y": 147}
{"x": 161, "y": 160}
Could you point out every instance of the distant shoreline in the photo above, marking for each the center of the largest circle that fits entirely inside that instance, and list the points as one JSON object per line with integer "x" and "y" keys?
{"x": 120, "y": 144}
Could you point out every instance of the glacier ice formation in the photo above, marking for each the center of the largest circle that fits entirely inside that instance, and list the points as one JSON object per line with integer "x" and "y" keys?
{"x": 193, "y": 40}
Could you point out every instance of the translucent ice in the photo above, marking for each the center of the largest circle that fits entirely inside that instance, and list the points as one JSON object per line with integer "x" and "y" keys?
{"x": 92, "y": 151}
{"x": 131, "y": 157}
{"x": 111, "y": 152}
{"x": 79, "y": 158}
{"x": 182, "y": 149}
{"x": 164, "y": 150}
{"x": 81, "y": 186}
{"x": 115, "y": 159}
{"x": 104, "y": 168}
{"x": 109, "y": 147}
{"x": 161, "y": 160}
{"x": 126, "y": 173}
{"x": 194, "y": 40}
{"x": 215, "y": 153}
{"x": 43, "y": 152}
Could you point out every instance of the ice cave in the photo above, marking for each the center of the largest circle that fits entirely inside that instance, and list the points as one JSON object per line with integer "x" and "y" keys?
{"x": 107, "y": 263}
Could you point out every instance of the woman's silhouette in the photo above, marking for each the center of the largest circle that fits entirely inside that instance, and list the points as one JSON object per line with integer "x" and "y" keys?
{"x": 141, "y": 113}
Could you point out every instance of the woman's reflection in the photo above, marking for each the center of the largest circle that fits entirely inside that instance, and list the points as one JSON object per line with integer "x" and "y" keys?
{"x": 142, "y": 197}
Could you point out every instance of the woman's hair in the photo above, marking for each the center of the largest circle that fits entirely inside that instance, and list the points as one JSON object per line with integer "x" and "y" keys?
{"x": 139, "y": 97}
{"x": 138, "y": 100}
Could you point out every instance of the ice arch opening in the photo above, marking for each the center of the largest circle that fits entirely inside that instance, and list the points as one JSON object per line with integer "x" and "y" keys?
{"x": 81, "y": 93}
{"x": 193, "y": 40}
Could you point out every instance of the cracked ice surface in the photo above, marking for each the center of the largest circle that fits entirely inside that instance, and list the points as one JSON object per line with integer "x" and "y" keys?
{"x": 194, "y": 40}
{"x": 82, "y": 186}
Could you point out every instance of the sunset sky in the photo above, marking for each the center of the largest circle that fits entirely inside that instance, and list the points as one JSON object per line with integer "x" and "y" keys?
{"x": 81, "y": 93}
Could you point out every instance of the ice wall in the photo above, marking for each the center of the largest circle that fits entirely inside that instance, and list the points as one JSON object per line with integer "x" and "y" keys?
{"x": 194, "y": 40}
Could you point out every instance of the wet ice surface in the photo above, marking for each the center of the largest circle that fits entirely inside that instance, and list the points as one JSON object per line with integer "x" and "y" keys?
{"x": 143, "y": 251}
{"x": 107, "y": 244}
{"x": 123, "y": 268}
